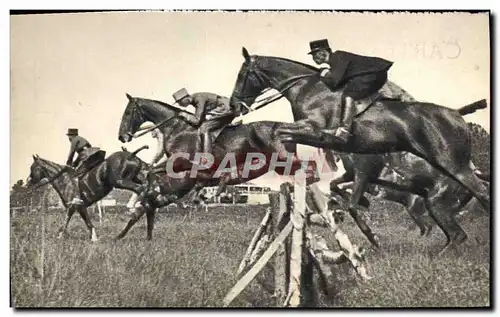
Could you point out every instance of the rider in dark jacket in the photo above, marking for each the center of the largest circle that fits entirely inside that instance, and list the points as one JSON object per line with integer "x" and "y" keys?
{"x": 362, "y": 76}
{"x": 78, "y": 145}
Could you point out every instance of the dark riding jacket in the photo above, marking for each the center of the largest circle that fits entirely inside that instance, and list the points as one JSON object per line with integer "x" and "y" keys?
{"x": 207, "y": 103}
{"x": 78, "y": 145}
{"x": 345, "y": 65}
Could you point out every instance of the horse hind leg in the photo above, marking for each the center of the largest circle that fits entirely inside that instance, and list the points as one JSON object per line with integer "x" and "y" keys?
{"x": 134, "y": 217}
{"x": 472, "y": 182}
{"x": 439, "y": 209}
{"x": 416, "y": 209}
{"x": 90, "y": 226}
{"x": 359, "y": 187}
{"x": 455, "y": 167}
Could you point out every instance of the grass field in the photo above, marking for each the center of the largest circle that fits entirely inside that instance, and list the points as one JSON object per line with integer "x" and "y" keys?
{"x": 192, "y": 261}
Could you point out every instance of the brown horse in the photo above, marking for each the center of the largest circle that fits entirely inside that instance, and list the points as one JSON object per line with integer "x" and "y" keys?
{"x": 415, "y": 184}
{"x": 120, "y": 170}
{"x": 435, "y": 133}
{"x": 232, "y": 145}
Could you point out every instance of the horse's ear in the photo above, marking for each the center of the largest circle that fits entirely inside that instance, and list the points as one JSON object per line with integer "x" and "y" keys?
{"x": 128, "y": 96}
{"x": 245, "y": 53}
{"x": 34, "y": 157}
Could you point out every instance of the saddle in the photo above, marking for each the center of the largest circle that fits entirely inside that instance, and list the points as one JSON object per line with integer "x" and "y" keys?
{"x": 93, "y": 157}
{"x": 219, "y": 123}
{"x": 362, "y": 105}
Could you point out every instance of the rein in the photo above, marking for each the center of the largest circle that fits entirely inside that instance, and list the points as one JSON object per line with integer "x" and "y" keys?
{"x": 286, "y": 85}
{"x": 51, "y": 179}
{"x": 147, "y": 130}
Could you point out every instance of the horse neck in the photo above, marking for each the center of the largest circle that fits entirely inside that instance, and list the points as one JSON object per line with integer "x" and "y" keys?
{"x": 280, "y": 70}
{"x": 61, "y": 183}
{"x": 302, "y": 90}
{"x": 156, "y": 112}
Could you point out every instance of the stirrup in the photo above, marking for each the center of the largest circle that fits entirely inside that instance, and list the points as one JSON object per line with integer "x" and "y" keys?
{"x": 343, "y": 134}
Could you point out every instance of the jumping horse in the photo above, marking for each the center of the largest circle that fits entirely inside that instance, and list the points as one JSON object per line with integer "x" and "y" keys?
{"x": 181, "y": 138}
{"x": 432, "y": 132}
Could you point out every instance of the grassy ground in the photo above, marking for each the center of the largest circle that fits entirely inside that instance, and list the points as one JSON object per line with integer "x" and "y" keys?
{"x": 193, "y": 259}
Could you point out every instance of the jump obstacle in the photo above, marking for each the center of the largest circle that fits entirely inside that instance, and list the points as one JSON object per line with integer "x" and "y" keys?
{"x": 298, "y": 251}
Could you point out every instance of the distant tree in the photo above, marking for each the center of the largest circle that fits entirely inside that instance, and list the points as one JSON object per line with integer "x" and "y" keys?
{"x": 481, "y": 151}
{"x": 18, "y": 194}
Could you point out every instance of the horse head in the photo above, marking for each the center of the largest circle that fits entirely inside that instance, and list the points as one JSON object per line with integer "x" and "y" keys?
{"x": 139, "y": 111}
{"x": 258, "y": 73}
{"x": 42, "y": 172}
{"x": 248, "y": 84}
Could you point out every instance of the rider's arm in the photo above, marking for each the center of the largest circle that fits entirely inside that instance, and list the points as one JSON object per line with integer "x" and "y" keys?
{"x": 199, "y": 115}
{"x": 200, "y": 110}
{"x": 338, "y": 67}
{"x": 72, "y": 151}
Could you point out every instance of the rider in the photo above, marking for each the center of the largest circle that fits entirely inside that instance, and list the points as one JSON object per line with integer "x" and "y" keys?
{"x": 206, "y": 104}
{"x": 79, "y": 145}
{"x": 362, "y": 76}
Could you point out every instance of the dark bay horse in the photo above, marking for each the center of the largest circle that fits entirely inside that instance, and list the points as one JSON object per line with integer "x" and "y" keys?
{"x": 235, "y": 140}
{"x": 415, "y": 184}
{"x": 121, "y": 169}
{"x": 435, "y": 133}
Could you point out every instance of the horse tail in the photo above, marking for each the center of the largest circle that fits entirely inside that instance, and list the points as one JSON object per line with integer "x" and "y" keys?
{"x": 473, "y": 107}
{"x": 144, "y": 147}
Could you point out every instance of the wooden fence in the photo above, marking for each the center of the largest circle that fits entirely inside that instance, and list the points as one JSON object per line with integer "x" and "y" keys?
{"x": 297, "y": 250}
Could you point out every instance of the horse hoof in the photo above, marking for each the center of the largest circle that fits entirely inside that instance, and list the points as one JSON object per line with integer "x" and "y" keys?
{"x": 93, "y": 236}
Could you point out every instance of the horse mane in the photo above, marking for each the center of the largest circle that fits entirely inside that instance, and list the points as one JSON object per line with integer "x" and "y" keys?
{"x": 310, "y": 67}
{"x": 162, "y": 103}
{"x": 46, "y": 161}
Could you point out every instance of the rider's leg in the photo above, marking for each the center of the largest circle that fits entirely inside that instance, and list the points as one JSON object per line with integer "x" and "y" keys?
{"x": 357, "y": 90}
{"x": 77, "y": 201}
{"x": 206, "y": 142}
{"x": 345, "y": 128}
{"x": 77, "y": 165}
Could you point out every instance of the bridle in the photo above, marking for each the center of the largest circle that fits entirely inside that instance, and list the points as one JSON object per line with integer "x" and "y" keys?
{"x": 139, "y": 109}
{"x": 262, "y": 78}
{"x": 51, "y": 179}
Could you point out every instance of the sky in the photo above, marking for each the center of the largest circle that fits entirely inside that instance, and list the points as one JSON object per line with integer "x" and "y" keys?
{"x": 73, "y": 70}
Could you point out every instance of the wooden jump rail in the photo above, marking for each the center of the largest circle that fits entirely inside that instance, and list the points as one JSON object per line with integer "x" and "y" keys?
{"x": 298, "y": 251}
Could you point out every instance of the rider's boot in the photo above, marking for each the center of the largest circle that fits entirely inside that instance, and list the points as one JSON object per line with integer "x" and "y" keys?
{"x": 77, "y": 201}
{"x": 206, "y": 144}
{"x": 343, "y": 132}
{"x": 345, "y": 129}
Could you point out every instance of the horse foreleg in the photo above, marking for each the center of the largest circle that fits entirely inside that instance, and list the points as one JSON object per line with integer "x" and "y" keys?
{"x": 359, "y": 187}
{"x": 344, "y": 178}
{"x": 150, "y": 220}
{"x": 64, "y": 229}
{"x": 416, "y": 208}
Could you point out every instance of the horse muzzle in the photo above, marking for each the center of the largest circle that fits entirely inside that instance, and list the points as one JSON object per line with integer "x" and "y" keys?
{"x": 125, "y": 137}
